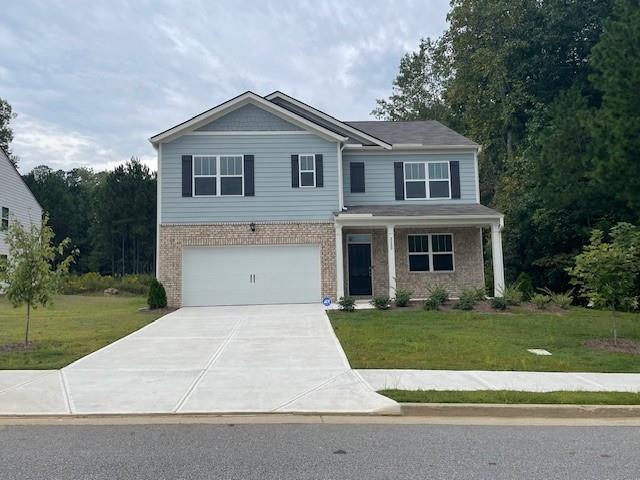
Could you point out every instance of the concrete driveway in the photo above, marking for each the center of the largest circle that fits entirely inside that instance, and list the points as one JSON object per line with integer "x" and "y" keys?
{"x": 282, "y": 358}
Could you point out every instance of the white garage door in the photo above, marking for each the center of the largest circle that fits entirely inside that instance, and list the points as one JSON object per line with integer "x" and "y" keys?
{"x": 250, "y": 275}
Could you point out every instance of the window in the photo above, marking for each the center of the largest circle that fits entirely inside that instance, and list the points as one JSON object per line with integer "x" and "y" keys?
{"x": 431, "y": 252}
{"x": 215, "y": 175}
{"x": 5, "y": 219}
{"x": 307, "y": 170}
{"x": 3, "y": 262}
{"x": 420, "y": 175}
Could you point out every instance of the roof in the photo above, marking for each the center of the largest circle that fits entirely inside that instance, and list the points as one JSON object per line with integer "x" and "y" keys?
{"x": 425, "y": 132}
{"x": 432, "y": 210}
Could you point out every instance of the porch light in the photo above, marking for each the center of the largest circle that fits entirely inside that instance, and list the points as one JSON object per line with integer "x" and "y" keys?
{"x": 252, "y": 226}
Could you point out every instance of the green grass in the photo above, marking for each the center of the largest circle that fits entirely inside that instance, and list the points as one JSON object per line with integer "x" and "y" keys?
{"x": 420, "y": 339}
{"x": 68, "y": 329}
{"x": 508, "y": 396}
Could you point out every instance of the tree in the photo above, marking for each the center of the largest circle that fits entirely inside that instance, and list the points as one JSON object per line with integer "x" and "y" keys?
{"x": 6, "y": 133}
{"x": 34, "y": 266}
{"x": 607, "y": 273}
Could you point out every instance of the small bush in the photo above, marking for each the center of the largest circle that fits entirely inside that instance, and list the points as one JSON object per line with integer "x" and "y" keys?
{"x": 93, "y": 282}
{"x": 540, "y": 301}
{"x": 479, "y": 294}
{"x": 431, "y": 304}
{"x": 562, "y": 300}
{"x": 512, "y": 295}
{"x": 381, "y": 302}
{"x": 464, "y": 303}
{"x": 157, "y": 297}
{"x": 402, "y": 297}
{"x": 525, "y": 285}
{"x": 438, "y": 294}
{"x": 347, "y": 304}
{"x": 498, "y": 303}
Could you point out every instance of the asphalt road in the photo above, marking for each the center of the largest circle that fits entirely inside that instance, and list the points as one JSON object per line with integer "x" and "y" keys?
{"x": 318, "y": 451}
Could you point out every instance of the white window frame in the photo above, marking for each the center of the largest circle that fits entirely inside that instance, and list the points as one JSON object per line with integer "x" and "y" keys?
{"x": 431, "y": 253}
{"x": 4, "y": 219}
{"x": 426, "y": 180}
{"x": 301, "y": 171}
{"x": 218, "y": 176}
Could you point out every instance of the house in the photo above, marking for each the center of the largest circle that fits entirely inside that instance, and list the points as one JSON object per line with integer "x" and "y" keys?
{"x": 266, "y": 200}
{"x": 17, "y": 203}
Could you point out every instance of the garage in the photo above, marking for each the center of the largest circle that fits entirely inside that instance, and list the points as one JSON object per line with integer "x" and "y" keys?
{"x": 250, "y": 275}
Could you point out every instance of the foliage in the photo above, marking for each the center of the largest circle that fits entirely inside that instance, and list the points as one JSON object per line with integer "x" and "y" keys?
{"x": 347, "y": 304}
{"x": 34, "y": 266}
{"x": 525, "y": 285}
{"x": 467, "y": 300}
{"x": 381, "y": 302}
{"x": 541, "y": 301}
{"x": 479, "y": 294}
{"x": 438, "y": 294}
{"x": 6, "y": 132}
{"x": 157, "y": 297}
{"x": 562, "y": 300}
{"x": 431, "y": 304}
{"x": 498, "y": 303}
{"x": 402, "y": 297}
{"x": 512, "y": 295}
{"x": 94, "y": 282}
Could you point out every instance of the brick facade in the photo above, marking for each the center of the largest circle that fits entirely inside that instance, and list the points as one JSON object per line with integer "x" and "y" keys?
{"x": 173, "y": 238}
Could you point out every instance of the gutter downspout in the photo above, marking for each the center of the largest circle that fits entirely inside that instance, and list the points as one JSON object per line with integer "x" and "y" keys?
{"x": 340, "y": 147}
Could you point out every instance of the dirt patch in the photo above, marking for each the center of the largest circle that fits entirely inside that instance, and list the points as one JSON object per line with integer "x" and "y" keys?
{"x": 607, "y": 345}
{"x": 17, "y": 347}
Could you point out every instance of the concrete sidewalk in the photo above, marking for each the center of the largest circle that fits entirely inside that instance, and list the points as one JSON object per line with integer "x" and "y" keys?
{"x": 500, "y": 380}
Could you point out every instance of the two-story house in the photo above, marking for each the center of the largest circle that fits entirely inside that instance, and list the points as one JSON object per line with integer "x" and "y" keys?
{"x": 267, "y": 200}
{"x": 17, "y": 203}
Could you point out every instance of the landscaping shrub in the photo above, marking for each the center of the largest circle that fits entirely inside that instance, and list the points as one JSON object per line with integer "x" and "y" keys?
{"x": 464, "y": 303}
{"x": 498, "y": 303}
{"x": 431, "y": 304}
{"x": 512, "y": 295}
{"x": 381, "y": 302}
{"x": 93, "y": 282}
{"x": 479, "y": 294}
{"x": 438, "y": 294}
{"x": 157, "y": 297}
{"x": 562, "y": 300}
{"x": 541, "y": 301}
{"x": 525, "y": 285}
{"x": 347, "y": 304}
{"x": 402, "y": 297}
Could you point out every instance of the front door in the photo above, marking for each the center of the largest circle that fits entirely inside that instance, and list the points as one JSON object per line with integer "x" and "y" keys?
{"x": 359, "y": 268}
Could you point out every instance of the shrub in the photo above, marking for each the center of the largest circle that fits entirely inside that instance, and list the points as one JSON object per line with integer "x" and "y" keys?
{"x": 562, "y": 300}
{"x": 381, "y": 302}
{"x": 431, "y": 304}
{"x": 525, "y": 285}
{"x": 93, "y": 282}
{"x": 438, "y": 294}
{"x": 157, "y": 297}
{"x": 478, "y": 293}
{"x": 541, "y": 301}
{"x": 512, "y": 295}
{"x": 402, "y": 297}
{"x": 464, "y": 303}
{"x": 347, "y": 304}
{"x": 498, "y": 303}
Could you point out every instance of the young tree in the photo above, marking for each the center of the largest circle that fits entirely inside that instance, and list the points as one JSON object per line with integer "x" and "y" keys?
{"x": 607, "y": 272}
{"x": 34, "y": 266}
{"x": 6, "y": 133}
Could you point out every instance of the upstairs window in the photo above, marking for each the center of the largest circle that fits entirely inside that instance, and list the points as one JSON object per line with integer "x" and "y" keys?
{"x": 231, "y": 175}
{"x": 439, "y": 180}
{"x": 4, "y": 225}
{"x": 218, "y": 175}
{"x": 424, "y": 180}
{"x": 431, "y": 252}
{"x": 307, "y": 170}
{"x": 204, "y": 176}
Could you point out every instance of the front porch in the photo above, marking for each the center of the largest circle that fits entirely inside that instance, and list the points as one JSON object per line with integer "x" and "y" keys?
{"x": 379, "y": 249}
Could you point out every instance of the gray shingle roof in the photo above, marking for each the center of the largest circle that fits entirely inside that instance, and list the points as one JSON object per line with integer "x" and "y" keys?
{"x": 426, "y": 132}
{"x": 422, "y": 210}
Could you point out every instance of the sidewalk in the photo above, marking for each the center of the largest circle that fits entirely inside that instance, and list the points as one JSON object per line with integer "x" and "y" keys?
{"x": 503, "y": 380}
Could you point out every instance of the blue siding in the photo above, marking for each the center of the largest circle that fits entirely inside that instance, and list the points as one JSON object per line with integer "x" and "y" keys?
{"x": 248, "y": 118}
{"x": 379, "y": 185}
{"x": 274, "y": 199}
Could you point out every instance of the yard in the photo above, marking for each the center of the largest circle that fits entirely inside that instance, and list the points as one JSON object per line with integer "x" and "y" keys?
{"x": 70, "y": 328}
{"x": 453, "y": 340}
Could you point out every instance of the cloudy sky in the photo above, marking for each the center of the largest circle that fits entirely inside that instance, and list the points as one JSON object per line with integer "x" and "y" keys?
{"x": 91, "y": 81}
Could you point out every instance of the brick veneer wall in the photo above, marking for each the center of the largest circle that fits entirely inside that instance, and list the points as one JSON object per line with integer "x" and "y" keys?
{"x": 173, "y": 238}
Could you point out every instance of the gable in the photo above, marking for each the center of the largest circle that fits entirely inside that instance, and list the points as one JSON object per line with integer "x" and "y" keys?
{"x": 248, "y": 118}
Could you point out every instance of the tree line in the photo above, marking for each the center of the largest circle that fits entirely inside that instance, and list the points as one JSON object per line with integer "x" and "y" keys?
{"x": 550, "y": 90}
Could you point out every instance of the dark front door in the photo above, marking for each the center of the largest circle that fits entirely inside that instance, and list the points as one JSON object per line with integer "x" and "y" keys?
{"x": 359, "y": 269}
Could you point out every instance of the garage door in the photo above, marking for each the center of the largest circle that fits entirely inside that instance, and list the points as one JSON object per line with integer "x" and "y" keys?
{"x": 250, "y": 275}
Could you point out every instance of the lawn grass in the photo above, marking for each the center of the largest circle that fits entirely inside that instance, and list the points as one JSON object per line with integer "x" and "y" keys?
{"x": 512, "y": 397}
{"x": 70, "y": 328}
{"x": 452, "y": 340}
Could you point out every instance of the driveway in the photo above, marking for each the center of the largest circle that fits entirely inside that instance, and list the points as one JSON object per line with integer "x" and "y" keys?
{"x": 275, "y": 358}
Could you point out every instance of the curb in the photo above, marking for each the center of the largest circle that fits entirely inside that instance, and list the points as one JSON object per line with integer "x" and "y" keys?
{"x": 514, "y": 411}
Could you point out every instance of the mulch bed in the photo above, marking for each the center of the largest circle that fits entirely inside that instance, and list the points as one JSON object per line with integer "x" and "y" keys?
{"x": 17, "y": 347}
{"x": 606, "y": 344}
{"x": 484, "y": 307}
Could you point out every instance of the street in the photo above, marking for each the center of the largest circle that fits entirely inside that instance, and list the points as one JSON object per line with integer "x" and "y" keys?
{"x": 298, "y": 451}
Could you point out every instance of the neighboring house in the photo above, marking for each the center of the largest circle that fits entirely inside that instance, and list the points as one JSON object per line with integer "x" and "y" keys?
{"x": 268, "y": 200}
{"x": 17, "y": 203}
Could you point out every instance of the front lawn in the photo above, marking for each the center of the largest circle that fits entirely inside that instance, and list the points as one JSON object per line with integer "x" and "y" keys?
{"x": 72, "y": 327}
{"x": 452, "y": 340}
{"x": 511, "y": 397}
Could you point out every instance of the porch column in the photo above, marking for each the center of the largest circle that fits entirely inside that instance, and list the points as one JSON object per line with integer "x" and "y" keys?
{"x": 391, "y": 259}
{"x": 498, "y": 264}
{"x": 339, "y": 263}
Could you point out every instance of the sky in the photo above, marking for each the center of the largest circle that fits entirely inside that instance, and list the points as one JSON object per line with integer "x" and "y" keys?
{"x": 91, "y": 81}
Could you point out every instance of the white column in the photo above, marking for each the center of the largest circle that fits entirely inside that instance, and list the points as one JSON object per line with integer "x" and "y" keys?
{"x": 391, "y": 259}
{"x": 339, "y": 263}
{"x": 498, "y": 264}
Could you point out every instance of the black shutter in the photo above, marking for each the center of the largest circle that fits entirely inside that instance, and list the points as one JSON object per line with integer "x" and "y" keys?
{"x": 295, "y": 169}
{"x": 398, "y": 173}
{"x": 356, "y": 174}
{"x": 187, "y": 175}
{"x": 319, "y": 171}
{"x": 249, "y": 177}
{"x": 455, "y": 179}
